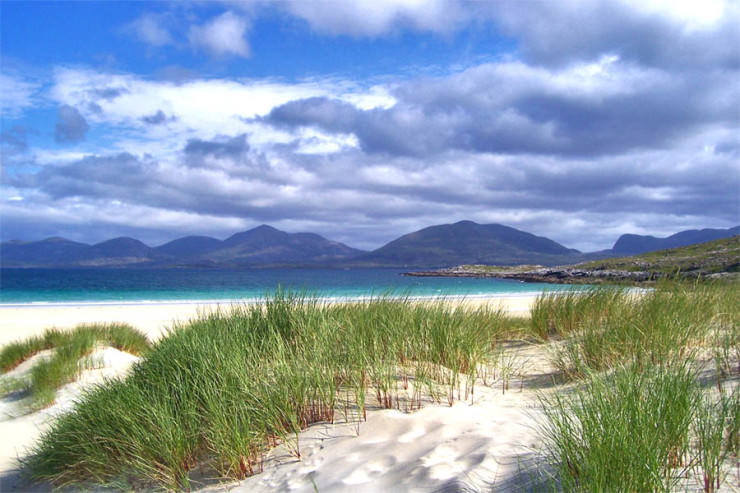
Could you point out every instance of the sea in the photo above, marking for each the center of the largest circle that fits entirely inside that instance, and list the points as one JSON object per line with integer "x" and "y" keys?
{"x": 114, "y": 286}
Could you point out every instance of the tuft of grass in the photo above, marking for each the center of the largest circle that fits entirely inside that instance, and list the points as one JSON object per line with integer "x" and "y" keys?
{"x": 69, "y": 347}
{"x": 628, "y": 431}
{"x": 615, "y": 327}
{"x": 16, "y": 353}
{"x": 218, "y": 392}
{"x": 715, "y": 429}
{"x": 565, "y": 312}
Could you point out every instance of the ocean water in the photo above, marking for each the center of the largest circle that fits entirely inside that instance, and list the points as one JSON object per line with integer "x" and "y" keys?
{"x": 74, "y": 286}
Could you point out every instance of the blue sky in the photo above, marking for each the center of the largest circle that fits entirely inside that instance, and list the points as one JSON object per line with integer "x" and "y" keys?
{"x": 362, "y": 121}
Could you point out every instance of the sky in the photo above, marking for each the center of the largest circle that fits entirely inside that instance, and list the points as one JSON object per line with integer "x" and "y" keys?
{"x": 366, "y": 120}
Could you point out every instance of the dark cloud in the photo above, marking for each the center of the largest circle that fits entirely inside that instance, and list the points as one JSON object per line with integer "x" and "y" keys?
{"x": 94, "y": 176}
{"x": 730, "y": 147}
{"x": 558, "y": 33}
{"x": 157, "y": 118}
{"x": 71, "y": 125}
{"x": 14, "y": 140}
{"x": 223, "y": 148}
{"x": 495, "y": 109}
{"x": 108, "y": 93}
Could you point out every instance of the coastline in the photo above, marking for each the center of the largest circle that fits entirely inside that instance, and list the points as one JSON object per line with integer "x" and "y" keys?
{"x": 155, "y": 318}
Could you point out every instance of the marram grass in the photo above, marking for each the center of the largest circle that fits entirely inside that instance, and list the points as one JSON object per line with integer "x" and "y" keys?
{"x": 605, "y": 328}
{"x": 63, "y": 365}
{"x": 221, "y": 390}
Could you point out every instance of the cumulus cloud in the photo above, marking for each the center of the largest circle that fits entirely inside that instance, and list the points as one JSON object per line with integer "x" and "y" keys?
{"x": 585, "y": 109}
{"x": 610, "y": 117}
{"x": 71, "y": 126}
{"x": 222, "y": 36}
{"x": 655, "y": 33}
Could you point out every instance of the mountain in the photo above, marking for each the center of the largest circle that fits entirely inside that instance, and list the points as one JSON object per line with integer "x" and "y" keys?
{"x": 630, "y": 244}
{"x": 443, "y": 245}
{"x": 265, "y": 245}
{"x": 51, "y": 251}
{"x": 717, "y": 259}
{"x": 189, "y": 246}
{"x": 468, "y": 242}
{"x": 258, "y": 247}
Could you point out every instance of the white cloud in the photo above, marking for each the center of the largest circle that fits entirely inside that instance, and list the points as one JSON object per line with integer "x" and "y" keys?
{"x": 199, "y": 108}
{"x": 376, "y": 17}
{"x": 16, "y": 95}
{"x": 224, "y": 35}
{"x": 149, "y": 29}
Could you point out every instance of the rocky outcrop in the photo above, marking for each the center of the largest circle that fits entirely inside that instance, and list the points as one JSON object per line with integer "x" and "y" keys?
{"x": 556, "y": 275}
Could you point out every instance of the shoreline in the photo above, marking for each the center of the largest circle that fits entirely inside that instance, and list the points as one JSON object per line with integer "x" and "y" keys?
{"x": 236, "y": 301}
{"x": 155, "y": 318}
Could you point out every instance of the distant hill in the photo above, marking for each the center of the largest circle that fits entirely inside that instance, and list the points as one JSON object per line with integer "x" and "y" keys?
{"x": 630, "y": 244}
{"x": 189, "y": 246}
{"x": 468, "y": 242}
{"x": 437, "y": 246}
{"x": 718, "y": 259}
{"x": 51, "y": 251}
{"x": 711, "y": 257}
{"x": 266, "y": 245}
{"x": 261, "y": 246}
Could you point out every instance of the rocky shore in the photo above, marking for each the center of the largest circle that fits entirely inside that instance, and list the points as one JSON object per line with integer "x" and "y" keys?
{"x": 555, "y": 275}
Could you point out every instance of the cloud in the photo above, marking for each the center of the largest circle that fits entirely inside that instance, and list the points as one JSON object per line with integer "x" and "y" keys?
{"x": 586, "y": 109}
{"x": 71, "y": 126}
{"x": 16, "y": 95}
{"x": 149, "y": 29}
{"x": 376, "y": 17}
{"x": 224, "y": 147}
{"x": 607, "y": 118}
{"x": 14, "y": 140}
{"x": 222, "y": 36}
{"x": 157, "y": 118}
{"x": 662, "y": 34}
{"x": 367, "y": 199}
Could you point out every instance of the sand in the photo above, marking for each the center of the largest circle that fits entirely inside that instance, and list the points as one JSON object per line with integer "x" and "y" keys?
{"x": 436, "y": 447}
{"x": 21, "y": 321}
{"x": 20, "y": 430}
{"x": 491, "y": 445}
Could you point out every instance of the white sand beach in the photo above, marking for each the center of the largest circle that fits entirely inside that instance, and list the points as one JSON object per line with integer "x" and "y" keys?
{"x": 437, "y": 447}
{"x": 21, "y": 321}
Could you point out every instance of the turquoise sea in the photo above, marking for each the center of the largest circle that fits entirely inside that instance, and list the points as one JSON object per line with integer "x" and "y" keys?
{"x": 75, "y": 286}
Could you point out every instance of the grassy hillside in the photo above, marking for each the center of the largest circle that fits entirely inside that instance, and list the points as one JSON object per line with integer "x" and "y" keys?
{"x": 707, "y": 258}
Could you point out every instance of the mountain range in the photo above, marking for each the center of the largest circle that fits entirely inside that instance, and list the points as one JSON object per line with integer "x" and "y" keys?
{"x": 464, "y": 242}
{"x": 635, "y": 244}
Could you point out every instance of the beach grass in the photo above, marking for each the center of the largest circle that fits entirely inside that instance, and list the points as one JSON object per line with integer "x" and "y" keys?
{"x": 221, "y": 390}
{"x": 626, "y": 431}
{"x": 610, "y": 327}
{"x": 218, "y": 392}
{"x": 63, "y": 366}
{"x": 637, "y": 429}
{"x": 644, "y": 415}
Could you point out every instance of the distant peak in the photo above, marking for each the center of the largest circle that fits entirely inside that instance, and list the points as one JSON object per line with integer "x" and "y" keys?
{"x": 264, "y": 227}
{"x": 465, "y": 223}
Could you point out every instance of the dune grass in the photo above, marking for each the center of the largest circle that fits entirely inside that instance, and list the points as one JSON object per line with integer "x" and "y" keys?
{"x": 221, "y": 390}
{"x": 63, "y": 365}
{"x": 642, "y": 418}
{"x": 604, "y": 328}
{"x": 640, "y": 430}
